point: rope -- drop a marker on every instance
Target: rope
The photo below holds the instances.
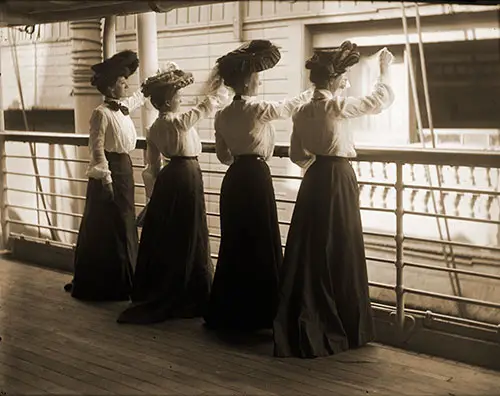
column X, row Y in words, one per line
column 15, row 60
column 448, row 256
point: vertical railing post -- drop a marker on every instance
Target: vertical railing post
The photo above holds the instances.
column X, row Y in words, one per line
column 399, row 237
column 4, row 214
column 3, row 177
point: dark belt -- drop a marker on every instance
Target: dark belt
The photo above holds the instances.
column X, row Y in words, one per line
column 248, row 156
column 330, row 158
column 182, row 157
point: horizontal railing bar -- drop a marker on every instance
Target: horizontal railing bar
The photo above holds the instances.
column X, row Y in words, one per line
column 454, row 319
column 380, row 260
column 42, row 226
column 377, row 209
column 458, row 244
column 57, row 212
column 423, row 156
column 71, row 179
column 46, row 193
column 376, row 184
column 291, row 177
column 379, row 234
column 450, row 217
column 452, row 189
column 80, row 161
column 43, row 240
column 382, row 285
column 442, row 296
column 453, row 270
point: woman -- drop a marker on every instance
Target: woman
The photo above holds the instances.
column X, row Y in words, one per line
column 107, row 243
column 174, row 269
column 244, row 292
column 324, row 303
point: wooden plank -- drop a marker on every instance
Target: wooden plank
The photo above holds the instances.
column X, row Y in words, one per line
column 169, row 349
column 115, row 352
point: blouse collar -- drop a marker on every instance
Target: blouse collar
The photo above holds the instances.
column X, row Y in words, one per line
column 243, row 97
column 321, row 94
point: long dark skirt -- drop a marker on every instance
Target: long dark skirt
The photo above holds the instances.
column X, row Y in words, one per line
column 244, row 292
column 106, row 248
column 324, row 305
column 174, row 270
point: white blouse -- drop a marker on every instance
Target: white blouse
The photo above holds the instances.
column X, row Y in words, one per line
column 111, row 131
column 316, row 125
column 173, row 135
column 244, row 127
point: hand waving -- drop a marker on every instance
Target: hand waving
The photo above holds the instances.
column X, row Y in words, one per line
column 385, row 58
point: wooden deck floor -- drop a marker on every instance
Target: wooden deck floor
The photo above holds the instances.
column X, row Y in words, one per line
column 52, row 343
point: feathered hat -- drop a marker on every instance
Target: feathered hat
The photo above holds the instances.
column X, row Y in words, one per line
column 251, row 57
column 122, row 64
column 170, row 76
column 335, row 60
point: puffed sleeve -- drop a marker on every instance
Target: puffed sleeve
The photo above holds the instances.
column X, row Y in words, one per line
column 153, row 165
column 298, row 154
column 221, row 149
column 136, row 100
column 380, row 99
column 98, row 167
column 202, row 110
column 270, row 111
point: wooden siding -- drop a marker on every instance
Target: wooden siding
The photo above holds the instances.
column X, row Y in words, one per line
column 184, row 35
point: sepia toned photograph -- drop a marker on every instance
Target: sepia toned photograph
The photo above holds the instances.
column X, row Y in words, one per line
column 250, row 197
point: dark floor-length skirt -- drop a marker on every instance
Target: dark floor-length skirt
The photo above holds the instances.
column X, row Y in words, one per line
column 244, row 292
column 324, row 305
column 174, row 270
column 107, row 243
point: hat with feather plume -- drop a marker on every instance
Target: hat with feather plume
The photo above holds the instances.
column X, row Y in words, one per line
column 170, row 76
column 252, row 57
column 336, row 60
column 122, row 64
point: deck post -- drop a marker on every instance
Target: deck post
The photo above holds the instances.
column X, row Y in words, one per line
column 148, row 55
column 86, row 50
column 109, row 37
column 3, row 182
column 399, row 237
column 147, row 45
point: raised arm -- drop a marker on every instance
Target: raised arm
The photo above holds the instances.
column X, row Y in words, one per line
column 381, row 97
column 135, row 101
column 98, row 167
column 270, row 111
column 298, row 154
column 202, row 110
column 153, row 165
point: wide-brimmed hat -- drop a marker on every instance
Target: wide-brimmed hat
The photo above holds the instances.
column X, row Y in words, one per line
column 122, row 64
column 170, row 76
column 252, row 57
column 335, row 60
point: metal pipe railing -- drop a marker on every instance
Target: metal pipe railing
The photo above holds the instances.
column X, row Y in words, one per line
column 385, row 155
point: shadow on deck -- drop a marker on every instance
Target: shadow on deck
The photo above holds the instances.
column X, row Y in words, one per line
column 52, row 343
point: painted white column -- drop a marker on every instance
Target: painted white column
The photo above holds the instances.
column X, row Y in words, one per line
column 109, row 37
column 86, row 50
column 147, row 45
